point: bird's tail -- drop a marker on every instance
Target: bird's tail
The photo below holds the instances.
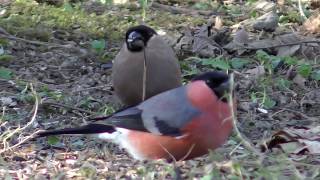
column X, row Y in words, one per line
column 99, row 118
column 87, row 129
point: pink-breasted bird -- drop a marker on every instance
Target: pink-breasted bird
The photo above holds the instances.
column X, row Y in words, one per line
column 181, row 123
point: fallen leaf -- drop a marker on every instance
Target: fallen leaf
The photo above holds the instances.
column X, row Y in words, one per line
column 300, row 81
column 297, row 140
column 264, row 5
column 256, row 72
column 291, row 147
column 267, row 22
column 288, row 50
column 312, row 146
column 312, row 24
column 218, row 22
column 241, row 37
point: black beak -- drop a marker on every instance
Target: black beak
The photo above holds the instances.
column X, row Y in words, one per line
column 223, row 90
column 135, row 44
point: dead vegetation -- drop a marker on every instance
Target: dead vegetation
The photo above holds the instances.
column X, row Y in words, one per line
column 55, row 71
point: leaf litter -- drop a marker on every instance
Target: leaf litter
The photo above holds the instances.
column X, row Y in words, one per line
column 66, row 71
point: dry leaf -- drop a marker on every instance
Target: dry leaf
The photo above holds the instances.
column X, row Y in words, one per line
column 261, row 44
column 289, row 38
column 203, row 44
column 312, row 24
column 288, row 50
column 311, row 103
column 267, row 22
column 256, row 72
column 241, row 37
column 120, row 1
column 264, row 5
column 300, row 81
column 314, row 4
column 297, row 140
column 218, row 22
column 312, row 146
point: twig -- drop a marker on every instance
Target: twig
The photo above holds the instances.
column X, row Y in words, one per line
column 301, row 10
column 179, row 10
column 167, row 151
column 3, row 124
column 5, row 34
column 174, row 164
column 234, row 149
column 92, row 88
column 277, row 113
column 22, row 141
column 2, row 115
column 278, row 45
column 33, row 118
column 68, row 107
column 144, row 77
column 188, row 153
column 297, row 112
column 246, row 143
column 294, row 169
column 192, row 58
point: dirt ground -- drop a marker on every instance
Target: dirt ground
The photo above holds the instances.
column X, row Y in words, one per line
column 54, row 77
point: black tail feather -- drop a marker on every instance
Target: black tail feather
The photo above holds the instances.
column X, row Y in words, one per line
column 87, row 129
column 99, row 118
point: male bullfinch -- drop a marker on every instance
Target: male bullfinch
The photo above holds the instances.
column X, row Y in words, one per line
column 181, row 123
column 162, row 67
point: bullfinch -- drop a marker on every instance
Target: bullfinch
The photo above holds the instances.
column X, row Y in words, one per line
column 162, row 67
column 178, row 124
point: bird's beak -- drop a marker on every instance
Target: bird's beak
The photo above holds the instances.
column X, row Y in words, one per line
column 135, row 44
column 223, row 89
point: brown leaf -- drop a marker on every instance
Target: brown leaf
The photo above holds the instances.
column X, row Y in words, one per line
column 291, row 147
column 267, row 22
column 256, row 72
column 288, row 50
column 297, row 140
column 241, row 37
column 260, row 44
column 264, row 5
column 300, row 81
column 312, row 146
column 311, row 103
column 218, row 22
column 312, row 24
column 203, row 44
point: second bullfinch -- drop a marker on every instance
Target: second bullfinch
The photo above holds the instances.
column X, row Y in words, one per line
column 162, row 68
column 181, row 123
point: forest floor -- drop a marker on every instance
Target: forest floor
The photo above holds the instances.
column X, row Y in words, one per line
column 55, row 72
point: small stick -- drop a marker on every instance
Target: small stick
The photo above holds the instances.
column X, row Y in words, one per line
column 33, row 118
column 144, row 78
column 68, row 107
column 245, row 142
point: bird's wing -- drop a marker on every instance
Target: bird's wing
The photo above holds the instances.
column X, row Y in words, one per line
column 163, row 114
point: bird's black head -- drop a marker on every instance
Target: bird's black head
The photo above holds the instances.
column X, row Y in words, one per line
column 217, row 81
column 138, row 36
